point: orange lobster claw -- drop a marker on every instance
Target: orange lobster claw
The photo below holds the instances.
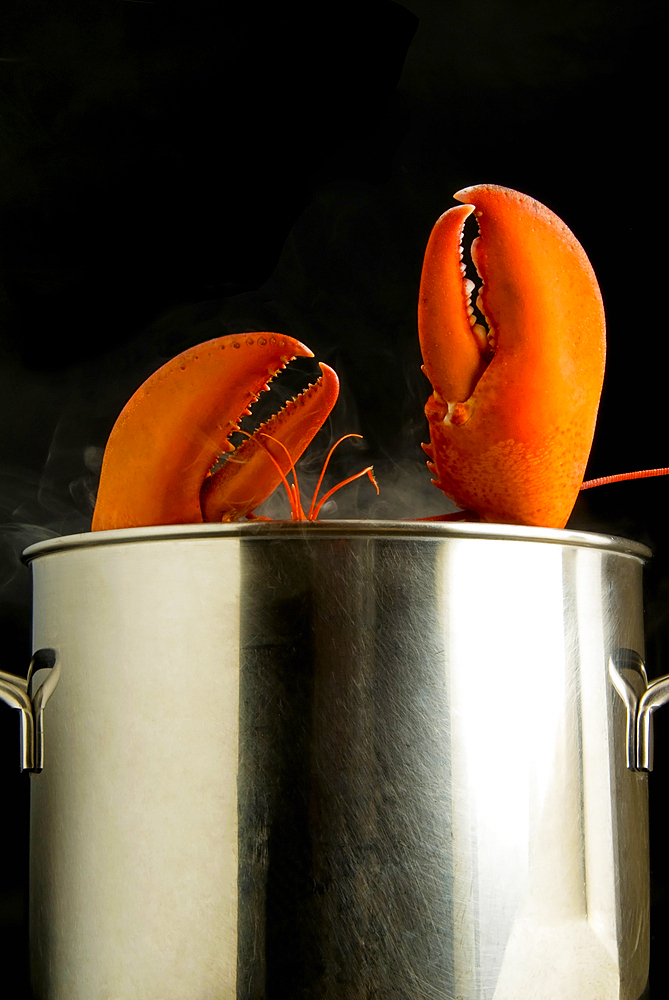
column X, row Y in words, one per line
column 176, row 426
column 513, row 411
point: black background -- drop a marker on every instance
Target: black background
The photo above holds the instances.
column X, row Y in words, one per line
column 174, row 171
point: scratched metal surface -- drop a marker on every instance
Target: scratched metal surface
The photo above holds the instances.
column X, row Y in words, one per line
column 425, row 791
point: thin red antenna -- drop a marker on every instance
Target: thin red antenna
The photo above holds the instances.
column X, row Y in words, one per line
column 623, row 477
column 296, row 511
column 322, row 475
column 293, row 490
column 369, row 471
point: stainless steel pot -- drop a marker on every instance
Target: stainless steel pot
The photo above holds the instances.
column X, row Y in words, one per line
column 340, row 761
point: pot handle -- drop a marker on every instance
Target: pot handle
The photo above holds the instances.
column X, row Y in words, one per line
column 628, row 675
column 15, row 692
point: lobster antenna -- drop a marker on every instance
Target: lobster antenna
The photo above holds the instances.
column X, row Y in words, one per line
column 369, row 471
column 320, row 478
column 622, row 477
column 297, row 514
column 293, row 490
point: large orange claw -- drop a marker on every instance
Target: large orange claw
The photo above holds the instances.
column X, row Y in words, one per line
column 513, row 410
column 177, row 425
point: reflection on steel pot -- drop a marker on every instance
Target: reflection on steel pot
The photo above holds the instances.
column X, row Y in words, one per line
column 338, row 761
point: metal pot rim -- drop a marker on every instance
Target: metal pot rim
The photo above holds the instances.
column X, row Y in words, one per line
column 276, row 530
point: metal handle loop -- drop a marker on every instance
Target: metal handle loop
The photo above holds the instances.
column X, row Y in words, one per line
column 641, row 699
column 15, row 692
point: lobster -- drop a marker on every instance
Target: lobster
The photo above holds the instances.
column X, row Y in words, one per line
column 162, row 463
column 515, row 390
column 513, row 408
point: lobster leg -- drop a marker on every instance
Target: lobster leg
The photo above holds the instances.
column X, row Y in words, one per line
column 177, row 425
column 513, row 408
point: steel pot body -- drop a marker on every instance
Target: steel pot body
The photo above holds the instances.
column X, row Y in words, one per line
column 343, row 761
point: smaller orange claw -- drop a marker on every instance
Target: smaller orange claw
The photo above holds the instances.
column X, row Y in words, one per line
column 177, row 425
column 513, row 410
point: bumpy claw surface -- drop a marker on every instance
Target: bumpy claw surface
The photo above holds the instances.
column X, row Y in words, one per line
column 513, row 410
column 177, row 425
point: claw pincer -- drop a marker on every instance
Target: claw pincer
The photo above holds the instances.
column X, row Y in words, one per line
column 513, row 409
column 158, row 461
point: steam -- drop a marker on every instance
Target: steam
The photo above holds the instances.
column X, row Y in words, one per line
column 20, row 526
column 56, row 496
column 329, row 290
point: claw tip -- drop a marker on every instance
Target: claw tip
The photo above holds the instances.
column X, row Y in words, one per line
column 468, row 194
column 301, row 350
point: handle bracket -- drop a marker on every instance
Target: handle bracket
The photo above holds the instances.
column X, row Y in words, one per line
column 641, row 699
column 15, row 692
